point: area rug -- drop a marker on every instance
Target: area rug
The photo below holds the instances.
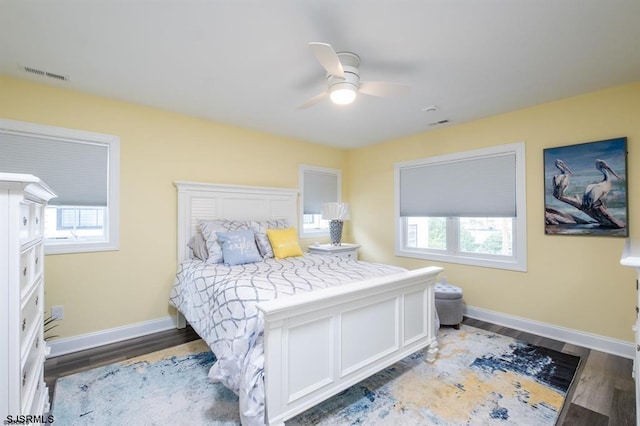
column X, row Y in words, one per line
column 479, row 378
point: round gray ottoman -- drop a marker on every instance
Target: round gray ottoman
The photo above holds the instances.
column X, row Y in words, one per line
column 449, row 304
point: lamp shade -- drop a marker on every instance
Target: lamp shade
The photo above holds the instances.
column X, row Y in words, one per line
column 335, row 211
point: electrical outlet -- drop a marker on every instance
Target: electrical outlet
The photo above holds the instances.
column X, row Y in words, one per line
column 57, row 312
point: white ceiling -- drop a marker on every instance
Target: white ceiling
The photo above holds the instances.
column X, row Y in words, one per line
column 247, row 62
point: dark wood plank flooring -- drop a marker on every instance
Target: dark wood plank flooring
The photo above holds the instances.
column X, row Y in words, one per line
column 602, row 393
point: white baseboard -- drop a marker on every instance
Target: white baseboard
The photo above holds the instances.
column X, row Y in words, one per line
column 580, row 338
column 112, row 335
column 575, row 337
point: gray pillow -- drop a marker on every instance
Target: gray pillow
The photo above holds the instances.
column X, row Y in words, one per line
column 198, row 247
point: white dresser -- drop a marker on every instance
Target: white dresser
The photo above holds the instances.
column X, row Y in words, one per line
column 631, row 257
column 349, row 251
column 22, row 347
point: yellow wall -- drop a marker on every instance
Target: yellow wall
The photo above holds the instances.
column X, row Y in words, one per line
column 110, row 289
column 573, row 282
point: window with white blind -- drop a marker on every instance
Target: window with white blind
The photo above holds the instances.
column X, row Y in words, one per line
column 318, row 185
column 82, row 168
column 467, row 208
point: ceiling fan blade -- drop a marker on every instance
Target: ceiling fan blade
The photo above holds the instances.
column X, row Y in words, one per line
column 316, row 99
column 383, row 88
column 328, row 58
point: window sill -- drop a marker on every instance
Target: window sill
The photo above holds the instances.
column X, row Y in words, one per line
column 78, row 247
column 507, row 264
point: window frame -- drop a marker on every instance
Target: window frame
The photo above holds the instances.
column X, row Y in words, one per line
column 321, row 232
column 111, row 240
column 516, row 262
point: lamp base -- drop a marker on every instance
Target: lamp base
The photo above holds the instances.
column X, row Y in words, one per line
column 335, row 231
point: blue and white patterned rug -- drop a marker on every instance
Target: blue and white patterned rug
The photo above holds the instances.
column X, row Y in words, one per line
column 479, row 378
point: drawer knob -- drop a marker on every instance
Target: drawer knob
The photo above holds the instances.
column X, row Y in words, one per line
column 37, row 297
column 37, row 220
column 24, row 221
column 37, row 344
column 37, row 258
column 24, row 378
column 24, row 324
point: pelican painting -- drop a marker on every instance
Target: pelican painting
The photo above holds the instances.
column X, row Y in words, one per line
column 595, row 193
column 580, row 199
column 561, row 181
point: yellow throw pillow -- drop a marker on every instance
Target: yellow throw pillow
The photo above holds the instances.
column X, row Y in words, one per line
column 284, row 242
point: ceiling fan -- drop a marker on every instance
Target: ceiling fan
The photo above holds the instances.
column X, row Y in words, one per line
column 343, row 78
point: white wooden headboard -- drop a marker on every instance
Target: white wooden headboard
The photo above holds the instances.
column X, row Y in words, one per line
column 207, row 201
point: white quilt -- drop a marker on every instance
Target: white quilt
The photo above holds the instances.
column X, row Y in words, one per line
column 220, row 304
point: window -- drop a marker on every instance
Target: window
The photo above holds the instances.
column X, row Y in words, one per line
column 467, row 208
column 82, row 168
column 318, row 185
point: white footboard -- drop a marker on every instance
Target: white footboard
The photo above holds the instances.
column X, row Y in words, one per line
column 318, row 344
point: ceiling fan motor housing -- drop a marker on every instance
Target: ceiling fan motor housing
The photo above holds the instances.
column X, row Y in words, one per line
column 350, row 63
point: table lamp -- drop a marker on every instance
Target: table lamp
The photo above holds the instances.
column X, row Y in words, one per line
column 336, row 214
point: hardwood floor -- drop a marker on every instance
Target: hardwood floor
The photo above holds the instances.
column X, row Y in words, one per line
column 602, row 393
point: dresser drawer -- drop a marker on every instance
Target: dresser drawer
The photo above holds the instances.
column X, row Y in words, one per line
column 38, row 261
column 347, row 254
column 25, row 221
column 344, row 251
column 31, row 374
column 26, row 268
column 31, row 266
column 31, row 314
column 31, row 220
column 38, row 220
column 40, row 404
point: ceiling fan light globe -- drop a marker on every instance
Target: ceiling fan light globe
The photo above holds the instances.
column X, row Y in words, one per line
column 343, row 95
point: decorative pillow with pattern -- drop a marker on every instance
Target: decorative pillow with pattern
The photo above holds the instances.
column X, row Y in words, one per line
column 238, row 247
column 260, row 228
column 209, row 229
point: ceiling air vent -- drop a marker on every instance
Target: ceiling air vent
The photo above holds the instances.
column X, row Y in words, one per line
column 46, row 73
column 438, row 123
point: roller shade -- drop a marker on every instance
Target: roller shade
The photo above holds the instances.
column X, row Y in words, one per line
column 318, row 188
column 476, row 187
column 77, row 171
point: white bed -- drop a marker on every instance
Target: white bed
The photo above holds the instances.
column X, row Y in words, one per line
column 319, row 343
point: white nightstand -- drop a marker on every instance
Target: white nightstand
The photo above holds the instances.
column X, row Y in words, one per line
column 349, row 251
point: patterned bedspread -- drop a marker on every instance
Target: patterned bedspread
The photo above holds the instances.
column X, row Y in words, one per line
column 220, row 304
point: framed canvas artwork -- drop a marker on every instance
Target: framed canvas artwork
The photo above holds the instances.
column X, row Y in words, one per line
column 585, row 189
